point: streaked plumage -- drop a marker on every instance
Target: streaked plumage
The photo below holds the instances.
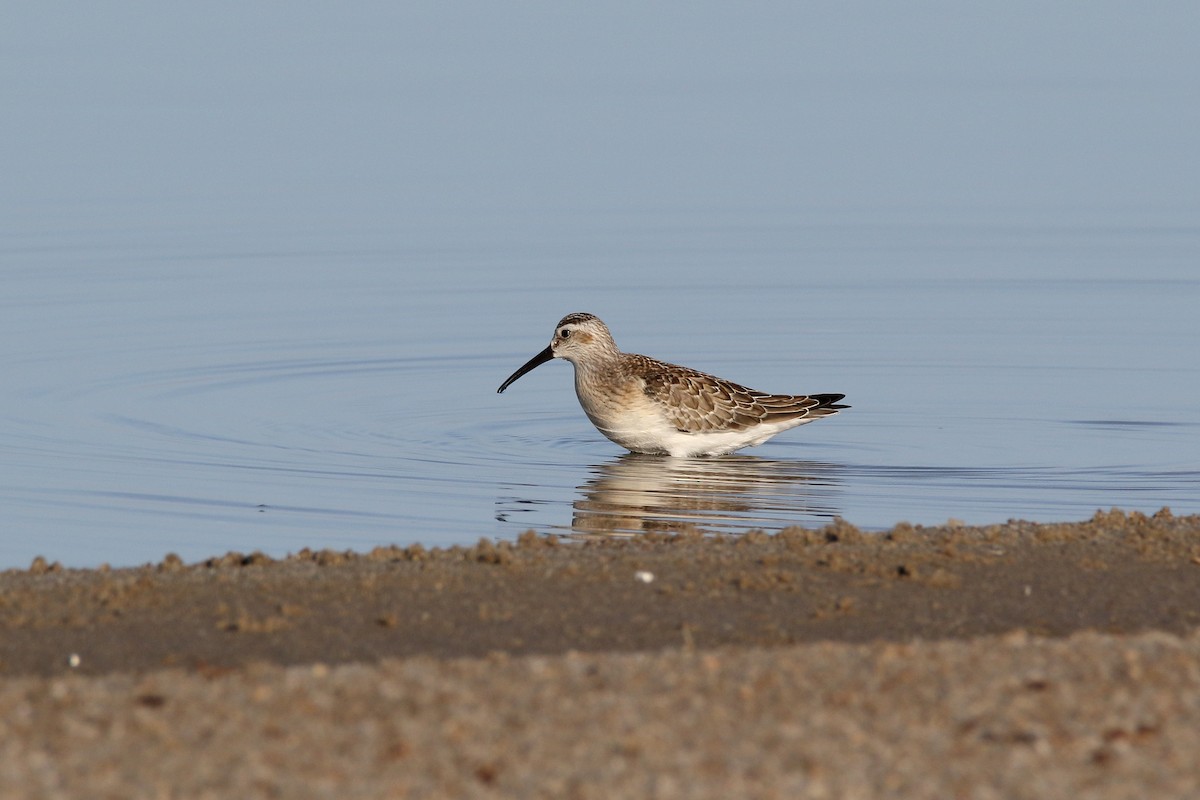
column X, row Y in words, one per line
column 650, row 406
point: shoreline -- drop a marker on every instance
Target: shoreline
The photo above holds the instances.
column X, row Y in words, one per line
column 1114, row 573
column 1010, row 660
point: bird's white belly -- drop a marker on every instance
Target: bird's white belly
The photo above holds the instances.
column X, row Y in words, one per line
column 639, row 425
column 635, row 425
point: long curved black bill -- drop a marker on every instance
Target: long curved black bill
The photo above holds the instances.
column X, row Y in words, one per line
column 531, row 364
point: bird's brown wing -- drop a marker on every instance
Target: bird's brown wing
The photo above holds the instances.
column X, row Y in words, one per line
column 695, row 402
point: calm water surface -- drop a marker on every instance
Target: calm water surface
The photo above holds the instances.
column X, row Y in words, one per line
column 263, row 267
column 214, row 401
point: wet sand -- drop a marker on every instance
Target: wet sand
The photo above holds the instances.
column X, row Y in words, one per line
column 1011, row 661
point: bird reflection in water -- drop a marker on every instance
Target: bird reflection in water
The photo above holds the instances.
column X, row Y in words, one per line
column 639, row 493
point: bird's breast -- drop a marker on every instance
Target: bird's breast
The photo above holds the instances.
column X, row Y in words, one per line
column 619, row 408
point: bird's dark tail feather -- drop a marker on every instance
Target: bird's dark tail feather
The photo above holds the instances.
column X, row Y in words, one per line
column 829, row 401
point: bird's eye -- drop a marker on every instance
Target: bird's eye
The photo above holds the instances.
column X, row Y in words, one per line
column 564, row 333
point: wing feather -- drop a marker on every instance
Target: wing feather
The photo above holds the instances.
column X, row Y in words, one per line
column 696, row 402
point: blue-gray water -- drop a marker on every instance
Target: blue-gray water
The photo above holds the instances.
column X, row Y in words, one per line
column 263, row 268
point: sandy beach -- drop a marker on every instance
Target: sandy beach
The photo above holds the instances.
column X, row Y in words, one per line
column 1019, row 660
